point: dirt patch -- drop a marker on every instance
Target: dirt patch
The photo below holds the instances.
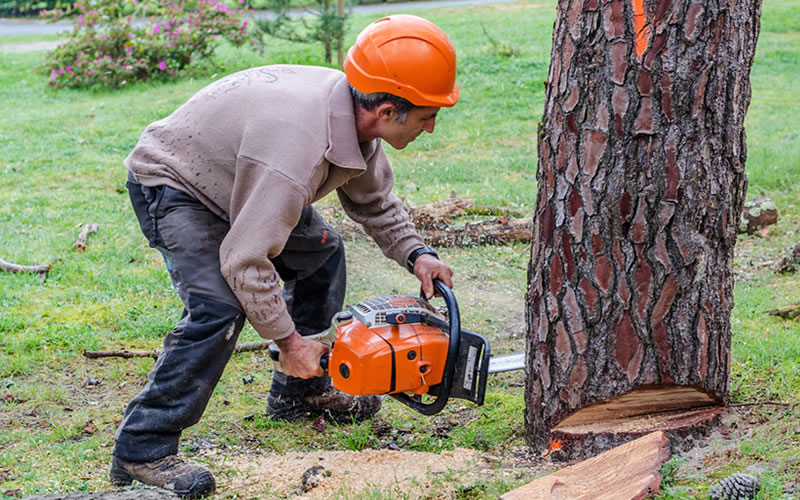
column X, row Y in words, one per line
column 346, row 474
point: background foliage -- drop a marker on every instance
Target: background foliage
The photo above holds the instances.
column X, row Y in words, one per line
column 110, row 45
column 30, row 7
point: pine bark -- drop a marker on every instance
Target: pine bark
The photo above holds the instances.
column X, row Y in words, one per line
column 641, row 184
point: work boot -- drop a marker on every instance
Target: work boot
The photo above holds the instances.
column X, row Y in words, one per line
column 186, row 479
column 293, row 398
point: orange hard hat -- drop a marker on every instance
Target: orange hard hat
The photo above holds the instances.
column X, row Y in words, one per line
column 406, row 56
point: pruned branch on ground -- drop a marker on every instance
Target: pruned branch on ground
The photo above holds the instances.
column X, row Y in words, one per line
column 495, row 232
column 16, row 268
column 434, row 214
column 80, row 243
column 438, row 213
column 791, row 311
column 124, row 353
column 434, row 223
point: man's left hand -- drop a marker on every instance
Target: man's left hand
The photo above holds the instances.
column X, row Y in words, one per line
column 427, row 268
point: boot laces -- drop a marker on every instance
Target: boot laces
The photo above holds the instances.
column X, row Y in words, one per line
column 169, row 462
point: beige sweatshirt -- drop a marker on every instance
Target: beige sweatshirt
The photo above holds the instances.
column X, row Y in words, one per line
column 255, row 148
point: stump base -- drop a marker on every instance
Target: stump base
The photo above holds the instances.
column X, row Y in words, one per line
column 680, row 412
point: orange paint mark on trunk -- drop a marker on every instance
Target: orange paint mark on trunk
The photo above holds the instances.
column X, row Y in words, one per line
column 640, row 27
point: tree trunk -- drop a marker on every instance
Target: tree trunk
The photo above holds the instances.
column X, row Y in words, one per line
column 641, row 185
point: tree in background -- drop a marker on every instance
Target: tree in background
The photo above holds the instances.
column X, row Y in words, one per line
column 641, row 184
column 327, row 27
column 111, row 44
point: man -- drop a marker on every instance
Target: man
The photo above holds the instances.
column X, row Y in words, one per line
column 223, row 187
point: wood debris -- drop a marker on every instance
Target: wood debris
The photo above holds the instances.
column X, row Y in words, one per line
column 434, row 223
column 630, row 471
column 791, row 311
column 496, row 232
column 80, row 243
column 16, row 268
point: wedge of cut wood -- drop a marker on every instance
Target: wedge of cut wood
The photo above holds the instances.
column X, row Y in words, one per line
column 630, row 471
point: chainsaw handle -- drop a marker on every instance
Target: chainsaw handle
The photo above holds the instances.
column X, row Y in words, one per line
column 275, row 355
column 452, row 356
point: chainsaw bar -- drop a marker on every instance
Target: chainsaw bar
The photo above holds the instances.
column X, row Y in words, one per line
column 507, row 363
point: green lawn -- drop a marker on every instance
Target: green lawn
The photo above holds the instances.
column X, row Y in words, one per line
column 61, row 156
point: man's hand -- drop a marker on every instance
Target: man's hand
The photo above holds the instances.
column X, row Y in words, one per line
column 300, row 357
column 427, row 268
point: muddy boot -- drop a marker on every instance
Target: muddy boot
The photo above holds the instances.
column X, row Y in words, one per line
column 186, row 479
column 292, row 398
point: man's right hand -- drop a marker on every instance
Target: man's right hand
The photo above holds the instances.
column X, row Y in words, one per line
column 300, row 357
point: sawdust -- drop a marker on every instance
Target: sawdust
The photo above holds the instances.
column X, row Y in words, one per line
column 347, row 474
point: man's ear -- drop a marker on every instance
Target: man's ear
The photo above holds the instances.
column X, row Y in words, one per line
column 386, row 110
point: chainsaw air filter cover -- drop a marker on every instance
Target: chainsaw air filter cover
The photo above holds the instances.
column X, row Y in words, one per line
column 382, row 347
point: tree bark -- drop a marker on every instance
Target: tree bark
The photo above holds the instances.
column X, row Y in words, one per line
column 640, row 190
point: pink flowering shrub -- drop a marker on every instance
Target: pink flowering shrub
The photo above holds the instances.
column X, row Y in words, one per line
column 115, row 42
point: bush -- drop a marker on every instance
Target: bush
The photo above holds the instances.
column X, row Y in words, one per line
column 114, row 43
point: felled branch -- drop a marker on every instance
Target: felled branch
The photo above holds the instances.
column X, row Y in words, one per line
column 16, row 268
column 438, row 213
column 758, row 214
column 434, row 214
column 497, row 232
column 246, row 347
column 80, row 243
column 432, row 222
column 789, row 312
column 493, row 211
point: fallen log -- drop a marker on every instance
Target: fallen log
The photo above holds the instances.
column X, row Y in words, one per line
column 791, row 311
column 80, row 243
column 438, row 213
column 757, row 214
column 16, row 268
column 493, row 211
column 124, row 353
column 497, row 232
column 435, row 214
column 630, row 471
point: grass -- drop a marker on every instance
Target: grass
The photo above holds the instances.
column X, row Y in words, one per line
column 61, row 166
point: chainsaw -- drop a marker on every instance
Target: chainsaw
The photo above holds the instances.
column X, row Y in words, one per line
column 402, row 346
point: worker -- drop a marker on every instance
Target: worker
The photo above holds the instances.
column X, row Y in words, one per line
column 223, row 188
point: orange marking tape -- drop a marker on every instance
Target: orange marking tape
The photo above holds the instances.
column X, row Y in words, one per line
column 640, row 27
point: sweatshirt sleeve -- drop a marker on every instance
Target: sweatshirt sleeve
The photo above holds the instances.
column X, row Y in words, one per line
column 368, row 200
column 265, row 206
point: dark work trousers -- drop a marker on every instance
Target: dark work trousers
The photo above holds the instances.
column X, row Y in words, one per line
column 312, row 267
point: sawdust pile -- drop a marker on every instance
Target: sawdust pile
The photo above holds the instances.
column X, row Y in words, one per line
column 345, row 474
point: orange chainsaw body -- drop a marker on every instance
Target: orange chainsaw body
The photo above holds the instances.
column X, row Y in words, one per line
column 387, row 358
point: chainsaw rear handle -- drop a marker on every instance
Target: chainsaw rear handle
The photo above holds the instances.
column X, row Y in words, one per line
column 275, row 355
column 452, row 356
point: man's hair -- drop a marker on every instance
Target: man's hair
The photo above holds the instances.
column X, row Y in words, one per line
column 370, row 101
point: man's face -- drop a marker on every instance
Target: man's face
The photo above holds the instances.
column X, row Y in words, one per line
column 399, row 135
